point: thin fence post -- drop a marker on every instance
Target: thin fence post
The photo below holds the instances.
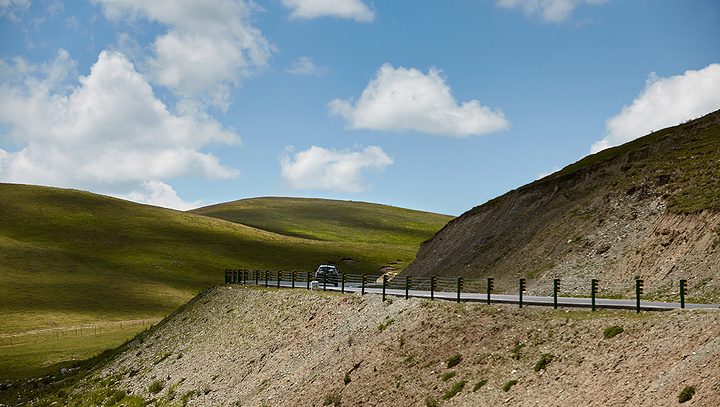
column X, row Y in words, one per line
column 309, row 277
column 459, row 287
column 593, row 291
column 279, row 278
column 683, row 292
column 556, row 290
column 384, row 286
column 364, row 281
column 490, row 286
column 294, row 276
column 521, row 288
column 325, row 274
column 433, row 283
column 408, row 283
column 267, row 277
column 344, row 278
column 638, row 291
column 257, row 276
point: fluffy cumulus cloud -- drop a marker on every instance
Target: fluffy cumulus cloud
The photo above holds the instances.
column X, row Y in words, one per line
column 107, row 132
column 664, row 102
column 327, row 169
column 406, row 99
column 210, row 45
column 554, row 11
column 352, row 9
column 306, row 66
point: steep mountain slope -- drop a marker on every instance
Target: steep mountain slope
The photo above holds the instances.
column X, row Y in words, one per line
column 649, row 209
column 250, row 346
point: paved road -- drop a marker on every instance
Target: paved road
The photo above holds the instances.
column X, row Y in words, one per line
column 507, row 299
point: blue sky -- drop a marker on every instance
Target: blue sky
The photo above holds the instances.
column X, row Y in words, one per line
column 430, row 105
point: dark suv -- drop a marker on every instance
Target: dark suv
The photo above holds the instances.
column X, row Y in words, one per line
column 333, row 277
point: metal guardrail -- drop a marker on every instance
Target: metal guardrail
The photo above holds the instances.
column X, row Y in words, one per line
column 530, row 289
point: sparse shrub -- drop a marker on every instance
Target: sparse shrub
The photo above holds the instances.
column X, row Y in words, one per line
column 455, row 390
column 347, row 379
column 479, row 384
column 454, row 360
column 612, row 331
column 686, row 394
column 117, row 395
column 332, row 398
column 385, row 325
column 509, row 384
column 447, row 376
column 545, row 360
column 431, row 401
column 156, row 387
column 185, row 397
column 516, row 351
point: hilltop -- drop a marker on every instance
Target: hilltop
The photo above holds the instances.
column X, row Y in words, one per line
column 648, row 209
column 250, row 346
column 70, row 258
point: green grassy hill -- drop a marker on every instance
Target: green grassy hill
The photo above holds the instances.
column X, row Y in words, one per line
column 69, row 258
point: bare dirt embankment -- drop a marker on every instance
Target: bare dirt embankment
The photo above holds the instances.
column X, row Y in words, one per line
column 255, row 347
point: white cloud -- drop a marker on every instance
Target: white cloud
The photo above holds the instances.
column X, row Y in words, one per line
column 210, row 45
column 307, row 9
column 160, row 194
column 108, row 132
column 305, row 66
column 406, row 99
column 327, row 169
column 11, row 8
column 554, row 11
column 664, row 102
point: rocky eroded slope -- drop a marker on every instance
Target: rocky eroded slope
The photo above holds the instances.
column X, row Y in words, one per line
column 249, row 346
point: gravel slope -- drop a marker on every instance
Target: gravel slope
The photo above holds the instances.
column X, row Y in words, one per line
column 253, row 347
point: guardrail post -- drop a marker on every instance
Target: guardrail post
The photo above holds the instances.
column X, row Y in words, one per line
column 309, row 277
column 257, row 276
column 364, row 281
column 267, row 277
column 344, row 278
column 245, row 276
column 325, row 281
column 593, row 291
column 294, row 277
column 490, row 287
column 279, row 278
column 638, row 291
column 459, row 287
column 521, row 289
column 384, row 286
column 235, row 276
column 683, row 292
column 408, row 283
column 556, row 290
column 227, row 272
column 433, row 284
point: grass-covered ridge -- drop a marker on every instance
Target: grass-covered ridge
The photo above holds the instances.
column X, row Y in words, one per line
column 69, row 258
column 331, row 220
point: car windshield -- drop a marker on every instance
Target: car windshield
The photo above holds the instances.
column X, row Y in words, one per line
column 328, row 269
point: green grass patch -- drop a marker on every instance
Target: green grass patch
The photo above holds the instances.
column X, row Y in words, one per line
column 509, row 385
column 686, row 394
column 457, row 388
column 612, row 331
column 454, row 360
column 37, row 359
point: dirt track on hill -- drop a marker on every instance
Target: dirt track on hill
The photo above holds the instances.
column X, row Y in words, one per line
column 255, row 347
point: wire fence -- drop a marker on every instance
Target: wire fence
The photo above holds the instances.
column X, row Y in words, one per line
column 59, row 333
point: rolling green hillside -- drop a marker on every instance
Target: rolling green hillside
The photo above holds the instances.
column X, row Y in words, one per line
column 71, row 257
column 330, row 220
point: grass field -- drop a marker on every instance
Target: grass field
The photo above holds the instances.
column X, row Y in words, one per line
column 70, row 258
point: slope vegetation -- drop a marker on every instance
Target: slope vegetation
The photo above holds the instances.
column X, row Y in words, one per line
column 266, row 347
column 70, row 258
column 647, row 209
